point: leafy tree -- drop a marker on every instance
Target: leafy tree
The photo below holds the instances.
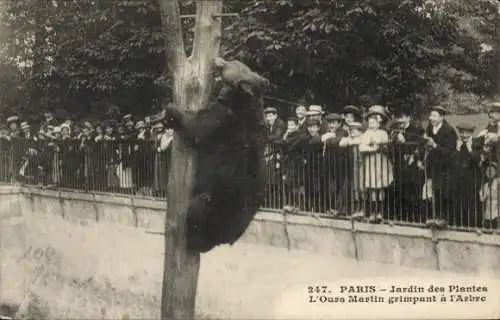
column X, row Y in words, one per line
column 80, row 57
column 333, row 52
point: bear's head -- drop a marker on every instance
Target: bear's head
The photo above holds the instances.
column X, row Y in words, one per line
column 236, row 75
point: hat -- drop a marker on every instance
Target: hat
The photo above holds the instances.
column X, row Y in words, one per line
column 157, row 126
column 439, row 109
column 333, row 117
column 494, row 107
column 56, row 130
column 270, row 110
column 25, row 125
column 351, row 109
column 64, row 125
column 315, row 110
column 377, row 110
column 87, row 124
column 355, row 125
column 140, row 125
column 312, row 122
column 466, row 127
column 292, row 118
column 127, row 117
column 12, row 119
column 129, row 122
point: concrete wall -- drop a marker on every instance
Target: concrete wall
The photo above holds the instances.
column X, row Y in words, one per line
column 400, row 245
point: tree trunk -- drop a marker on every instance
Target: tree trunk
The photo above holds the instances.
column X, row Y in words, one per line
column 192, row 86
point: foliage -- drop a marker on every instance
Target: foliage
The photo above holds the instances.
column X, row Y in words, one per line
column 332, row 52
column 95, row 54
column 80, row 57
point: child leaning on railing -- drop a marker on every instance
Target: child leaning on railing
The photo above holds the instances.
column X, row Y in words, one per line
column 489, row 195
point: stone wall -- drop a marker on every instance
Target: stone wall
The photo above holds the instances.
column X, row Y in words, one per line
column 400, row 245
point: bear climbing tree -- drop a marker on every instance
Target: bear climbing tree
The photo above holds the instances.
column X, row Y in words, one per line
column 198, row 142
column 229, row 137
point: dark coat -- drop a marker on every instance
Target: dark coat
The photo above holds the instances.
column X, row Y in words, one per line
column 466, row 183
column 293, row 158
column 275, row 132
column 440, row 159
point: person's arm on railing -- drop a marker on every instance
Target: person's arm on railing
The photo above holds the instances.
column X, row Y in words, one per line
column 164, row 143
column 367, row 143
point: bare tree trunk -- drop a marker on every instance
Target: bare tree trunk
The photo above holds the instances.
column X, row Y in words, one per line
column 192, row 86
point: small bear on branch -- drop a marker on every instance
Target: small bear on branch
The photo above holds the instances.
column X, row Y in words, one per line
column 229, row 137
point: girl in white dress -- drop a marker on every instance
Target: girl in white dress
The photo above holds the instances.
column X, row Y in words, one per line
column 376, row 173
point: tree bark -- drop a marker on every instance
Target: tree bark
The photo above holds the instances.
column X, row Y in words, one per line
column 192, row 78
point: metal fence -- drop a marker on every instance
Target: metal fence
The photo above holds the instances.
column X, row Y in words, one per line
column 400, row 183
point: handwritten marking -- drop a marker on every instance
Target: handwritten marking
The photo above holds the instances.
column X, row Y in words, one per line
column 38, row 254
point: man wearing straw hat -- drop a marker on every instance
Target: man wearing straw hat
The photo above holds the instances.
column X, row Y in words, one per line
column 14, row 131
column 316, row 112
column 489, row 136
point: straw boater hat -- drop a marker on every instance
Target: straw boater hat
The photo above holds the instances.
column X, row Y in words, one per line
column 87, row 125
column 57, row 130
column 494, row 107
column 140, row 125
column 24, row 125
column 12, row 119
column 377, row 110
column 315, row 110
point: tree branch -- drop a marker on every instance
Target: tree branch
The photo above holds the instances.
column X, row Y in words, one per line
column 172, row 29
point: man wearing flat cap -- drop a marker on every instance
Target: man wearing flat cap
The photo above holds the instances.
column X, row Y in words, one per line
column 293, row 161
column 334, row 156
column 441, row 139
column 275, row 126
column 466, row 178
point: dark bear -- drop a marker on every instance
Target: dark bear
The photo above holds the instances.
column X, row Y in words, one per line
column 229, row 137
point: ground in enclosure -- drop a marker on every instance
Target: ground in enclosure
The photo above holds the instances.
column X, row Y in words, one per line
column 103, row 271
column 480, row 120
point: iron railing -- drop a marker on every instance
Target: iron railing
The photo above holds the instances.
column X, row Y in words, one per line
column 401, row 183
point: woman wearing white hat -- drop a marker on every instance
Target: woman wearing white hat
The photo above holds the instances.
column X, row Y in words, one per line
column 376, row 172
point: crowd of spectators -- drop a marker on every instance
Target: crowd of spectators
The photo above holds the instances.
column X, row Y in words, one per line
column 375, row 165
column 118, row 155
column 364, row 164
